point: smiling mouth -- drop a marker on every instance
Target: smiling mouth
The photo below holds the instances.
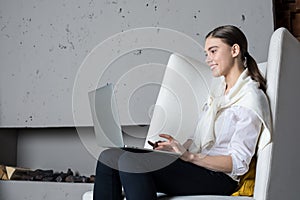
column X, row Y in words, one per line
column 213, row 67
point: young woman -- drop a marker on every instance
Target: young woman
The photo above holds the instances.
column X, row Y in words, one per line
column 224, row 142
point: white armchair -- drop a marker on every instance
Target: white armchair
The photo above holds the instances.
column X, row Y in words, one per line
column 283, row 58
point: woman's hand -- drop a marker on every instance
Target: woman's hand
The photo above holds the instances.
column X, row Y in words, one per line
column 170, row 145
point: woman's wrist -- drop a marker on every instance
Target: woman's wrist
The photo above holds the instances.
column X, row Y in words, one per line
column 187, row 156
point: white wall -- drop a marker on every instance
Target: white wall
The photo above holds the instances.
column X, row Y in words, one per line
column 44, row 42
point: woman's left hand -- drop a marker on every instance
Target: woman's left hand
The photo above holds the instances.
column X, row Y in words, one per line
column 170, row 145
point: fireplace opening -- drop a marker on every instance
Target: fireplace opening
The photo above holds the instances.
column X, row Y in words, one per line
column 47, row 175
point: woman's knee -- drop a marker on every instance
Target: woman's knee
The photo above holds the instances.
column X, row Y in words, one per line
column 109, row 158
column 134, row 162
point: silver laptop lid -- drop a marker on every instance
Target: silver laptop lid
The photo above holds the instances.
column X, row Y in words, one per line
column 106, row 117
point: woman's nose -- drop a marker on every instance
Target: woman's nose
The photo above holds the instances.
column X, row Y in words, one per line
column 208, row 59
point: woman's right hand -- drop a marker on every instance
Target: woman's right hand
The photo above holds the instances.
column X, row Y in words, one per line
column 170, row 145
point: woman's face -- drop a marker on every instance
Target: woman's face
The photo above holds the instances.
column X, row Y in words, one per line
column 218, row 56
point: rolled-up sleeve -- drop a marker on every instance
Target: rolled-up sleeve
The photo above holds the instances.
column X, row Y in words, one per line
column 243, row 142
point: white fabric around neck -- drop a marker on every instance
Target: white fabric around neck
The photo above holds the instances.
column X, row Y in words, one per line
column 246, row 93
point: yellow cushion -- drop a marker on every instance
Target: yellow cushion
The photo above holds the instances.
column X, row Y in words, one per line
column 247, row 181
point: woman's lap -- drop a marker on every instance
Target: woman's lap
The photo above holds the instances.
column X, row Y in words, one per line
column 164, row 173
column 183, row 178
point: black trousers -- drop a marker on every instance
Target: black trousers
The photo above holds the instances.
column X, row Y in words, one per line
column 142, row 175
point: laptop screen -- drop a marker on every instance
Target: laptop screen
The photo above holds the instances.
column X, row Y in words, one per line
column 106, row 117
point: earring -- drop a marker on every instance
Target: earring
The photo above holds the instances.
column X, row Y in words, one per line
column 245, row 62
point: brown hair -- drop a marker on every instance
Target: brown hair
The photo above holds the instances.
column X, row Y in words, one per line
column 232, row 35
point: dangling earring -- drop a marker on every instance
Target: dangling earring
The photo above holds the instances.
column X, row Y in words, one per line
column 245, row 62
column 246, row 54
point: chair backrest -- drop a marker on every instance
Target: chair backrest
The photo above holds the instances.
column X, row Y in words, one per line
column 282, row 75
column 263, row 168
column 263, row 164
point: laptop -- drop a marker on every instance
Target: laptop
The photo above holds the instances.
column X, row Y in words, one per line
column 106, row 121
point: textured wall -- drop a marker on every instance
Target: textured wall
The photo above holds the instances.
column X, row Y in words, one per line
column 44, row 42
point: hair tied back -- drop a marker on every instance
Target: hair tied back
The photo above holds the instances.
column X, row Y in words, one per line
column 246, row 54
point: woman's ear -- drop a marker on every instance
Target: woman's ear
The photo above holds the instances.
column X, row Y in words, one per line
column 235, row 50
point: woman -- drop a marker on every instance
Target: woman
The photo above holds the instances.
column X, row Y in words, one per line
column 224, row 142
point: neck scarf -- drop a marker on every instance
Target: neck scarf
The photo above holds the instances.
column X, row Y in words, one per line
column 246, row 93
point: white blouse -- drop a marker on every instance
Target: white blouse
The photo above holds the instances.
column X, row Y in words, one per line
column 236, row 130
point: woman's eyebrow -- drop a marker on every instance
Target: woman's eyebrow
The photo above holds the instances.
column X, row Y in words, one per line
column 211, row 48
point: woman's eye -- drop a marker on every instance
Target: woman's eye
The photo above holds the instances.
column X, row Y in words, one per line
column 213, row 51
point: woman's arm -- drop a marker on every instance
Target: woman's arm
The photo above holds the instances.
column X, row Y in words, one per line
column 216, row 163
